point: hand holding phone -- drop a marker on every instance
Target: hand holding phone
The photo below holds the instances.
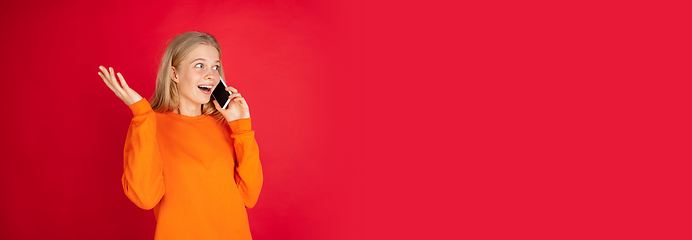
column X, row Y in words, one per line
column 230, row 103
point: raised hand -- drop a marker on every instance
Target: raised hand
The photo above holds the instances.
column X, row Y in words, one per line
column 237, row 108
column 124, row 92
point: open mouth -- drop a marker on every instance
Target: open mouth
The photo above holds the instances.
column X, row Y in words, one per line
column 206, row 89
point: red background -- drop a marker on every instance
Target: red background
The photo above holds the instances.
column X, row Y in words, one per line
column 376, row 119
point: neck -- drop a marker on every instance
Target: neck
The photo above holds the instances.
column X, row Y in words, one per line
column 190, row 110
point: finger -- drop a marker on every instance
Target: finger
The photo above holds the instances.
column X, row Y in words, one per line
column 235, row 95
column 110, row 86
column 216, row 104
column 122, row 81
column 114, row 80
column 242, row 102
column 126, row 88
column 104, row 72
column 111, row 75
column 105, row 80
column 232, row 89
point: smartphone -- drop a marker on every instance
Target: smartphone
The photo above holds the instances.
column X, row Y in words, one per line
column 221, row 95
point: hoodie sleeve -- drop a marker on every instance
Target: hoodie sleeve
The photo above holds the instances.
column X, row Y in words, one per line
column 248, row 170
column 143, row 168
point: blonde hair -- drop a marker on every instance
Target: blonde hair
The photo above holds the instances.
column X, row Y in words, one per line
column 165, row 98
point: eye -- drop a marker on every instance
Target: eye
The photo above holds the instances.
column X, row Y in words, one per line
column 216, row 67
column 199, row 65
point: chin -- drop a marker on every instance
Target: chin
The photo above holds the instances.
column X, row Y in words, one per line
column 203, row 101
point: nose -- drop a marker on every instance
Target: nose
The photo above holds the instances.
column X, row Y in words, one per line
column 209, row 74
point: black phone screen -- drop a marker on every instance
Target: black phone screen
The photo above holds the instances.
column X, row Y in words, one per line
column 221, row 95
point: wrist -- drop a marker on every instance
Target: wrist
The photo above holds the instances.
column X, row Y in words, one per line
column 135, row 100
column 234, row 117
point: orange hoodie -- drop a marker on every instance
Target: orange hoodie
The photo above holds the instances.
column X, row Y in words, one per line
column 199, row 175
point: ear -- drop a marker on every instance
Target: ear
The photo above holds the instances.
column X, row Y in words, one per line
column 174, row 75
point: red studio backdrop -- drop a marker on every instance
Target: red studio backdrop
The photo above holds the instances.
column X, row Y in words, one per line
column 375, row 119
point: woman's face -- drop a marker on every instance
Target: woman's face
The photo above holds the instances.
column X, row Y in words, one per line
column 197, row 75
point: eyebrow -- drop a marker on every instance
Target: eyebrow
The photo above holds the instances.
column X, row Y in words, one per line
column 203, row 59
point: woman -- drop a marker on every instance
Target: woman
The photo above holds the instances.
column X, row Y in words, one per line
column 196, row 164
